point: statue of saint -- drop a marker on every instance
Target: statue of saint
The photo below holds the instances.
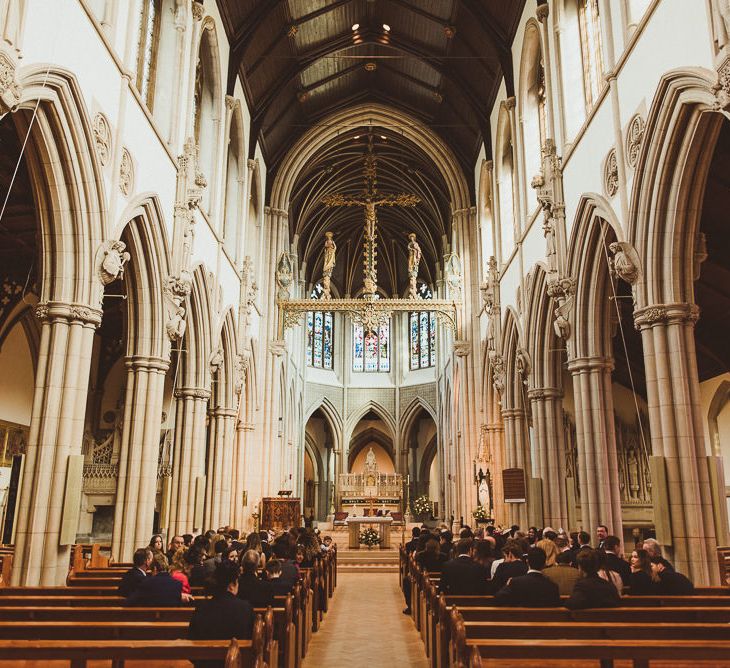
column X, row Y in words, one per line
column 330, row 248
column 370, row 459
column 414, row 259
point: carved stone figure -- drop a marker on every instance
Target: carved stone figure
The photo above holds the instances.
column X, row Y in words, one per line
column 176, row 324
column 10, row 90
column 497, row 372
column 216, row 360
column 625, row 263
column 414, row 259
column 721, row 22
column 284, row 275
column 522, row 364
column 113, row 260
column 330, row 249
column 561, row 325
column 453, row 275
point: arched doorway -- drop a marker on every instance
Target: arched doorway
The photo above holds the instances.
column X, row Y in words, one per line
column 318, row 466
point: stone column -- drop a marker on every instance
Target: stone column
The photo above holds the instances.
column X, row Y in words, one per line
column 677, row 436
column 549, row 464
column 188, row 458
column 56, row 431
column 220, row 463
column 600, row 496
column 516, row 439
column 137, row 484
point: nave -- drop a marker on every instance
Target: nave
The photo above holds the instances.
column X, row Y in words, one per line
column 364, row 626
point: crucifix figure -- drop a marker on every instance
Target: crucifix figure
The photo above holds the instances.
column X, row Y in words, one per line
column 370, row 200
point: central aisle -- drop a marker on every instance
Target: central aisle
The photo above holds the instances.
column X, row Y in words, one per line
column 365, row 626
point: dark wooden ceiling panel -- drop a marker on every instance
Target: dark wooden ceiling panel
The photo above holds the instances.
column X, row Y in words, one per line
column 441, row 60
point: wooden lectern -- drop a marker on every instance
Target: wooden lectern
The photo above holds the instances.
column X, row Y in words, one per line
column 280, row 513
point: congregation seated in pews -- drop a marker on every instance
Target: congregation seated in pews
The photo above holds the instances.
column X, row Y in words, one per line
column 546, row 595
column 206, row 599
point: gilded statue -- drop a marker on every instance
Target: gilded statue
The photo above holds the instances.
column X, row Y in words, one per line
column 414, row 259
column 330, row 248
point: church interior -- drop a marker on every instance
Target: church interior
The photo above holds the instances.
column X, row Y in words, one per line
column 386, row 271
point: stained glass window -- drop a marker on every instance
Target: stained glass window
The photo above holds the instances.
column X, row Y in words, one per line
column 422, row 334
column 148, row 30
column 590, row 42
column 371, row 350
column 320, row 335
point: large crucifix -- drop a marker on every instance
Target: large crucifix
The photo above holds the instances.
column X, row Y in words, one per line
column 370, row 199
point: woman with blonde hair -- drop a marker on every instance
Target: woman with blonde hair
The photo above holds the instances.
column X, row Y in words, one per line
column 180, row 568
column 551, row 551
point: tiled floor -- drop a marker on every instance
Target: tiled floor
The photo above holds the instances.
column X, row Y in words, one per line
column 365, row 626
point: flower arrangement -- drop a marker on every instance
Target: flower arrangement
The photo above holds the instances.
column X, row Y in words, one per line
column 369, row 537
column 480, row 513
column 422, row 506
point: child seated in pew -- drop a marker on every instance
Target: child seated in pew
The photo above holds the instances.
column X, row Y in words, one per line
column 224, row 616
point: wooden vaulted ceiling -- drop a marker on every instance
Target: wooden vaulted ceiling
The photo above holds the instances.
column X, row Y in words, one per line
column 402, row 167
column 299, row 60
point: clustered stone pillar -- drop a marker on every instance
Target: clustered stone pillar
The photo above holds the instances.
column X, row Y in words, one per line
column 238, row 481
column 547, row 420
column 221, row 433
column 137, row 483
column 56, row 432
column 677, row 435
column 600, row 494
column 188, row 458
column 516, row 440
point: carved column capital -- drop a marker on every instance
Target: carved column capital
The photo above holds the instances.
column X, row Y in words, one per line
column 582, row 364
column 147, row 363
column 541, row 393
column 666, row 314
column 55, row 311
column 192, row 392
column 277, row 347
column 462, row 348
column 198, row 10
column 10, row 90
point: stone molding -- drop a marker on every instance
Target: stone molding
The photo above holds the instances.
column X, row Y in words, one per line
column 102, row 137
column 126, row 172
column 513, row 412
column 666, row 314
column 610, row 174
column 540, row 393
column 191, row 392
column 145, row 363
column 634, row 138
column 222, row 411
column 581, row 364
column 55, row 311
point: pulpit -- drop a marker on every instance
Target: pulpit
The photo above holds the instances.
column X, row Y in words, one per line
column 280, row 513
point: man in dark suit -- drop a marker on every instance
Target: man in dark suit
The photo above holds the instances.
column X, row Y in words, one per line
column 410, row 546
column 138, row 573
column 533, row 590
column 224, row 616
column 462, row 575
column 259, row 593
column 601, row 534
column 282, row 551
column 160, row 589
column 614, row 562
column 671, row 583
column 513, row 566
column 591, row 591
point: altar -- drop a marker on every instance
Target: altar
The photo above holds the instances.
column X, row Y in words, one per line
column 370, row 489
column 354, row 526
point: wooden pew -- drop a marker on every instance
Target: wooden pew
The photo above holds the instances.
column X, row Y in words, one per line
column 247, row 653
column 640, row 652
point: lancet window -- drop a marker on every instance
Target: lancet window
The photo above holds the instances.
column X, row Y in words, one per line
column 590, row 42
column 422, row 334
column 320, row 335
column 148, row 30
column 371, row 350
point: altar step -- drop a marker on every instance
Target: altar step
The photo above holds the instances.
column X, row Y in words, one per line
column 367, row 561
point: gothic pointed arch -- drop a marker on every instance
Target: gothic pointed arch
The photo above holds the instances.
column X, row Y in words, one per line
column 198, row 344
column 67, row 182
column 362, row 411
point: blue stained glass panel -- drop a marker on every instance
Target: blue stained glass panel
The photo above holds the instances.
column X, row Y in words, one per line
column 357, row 348
column 371, row 352
column 385, row 347
column 413, row 339
column 327, row 351
column 424, row 340
column 432, row 338
column 318, row 339
column 310, row 336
